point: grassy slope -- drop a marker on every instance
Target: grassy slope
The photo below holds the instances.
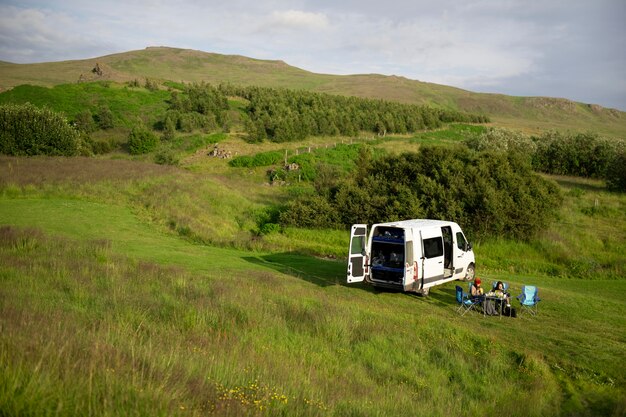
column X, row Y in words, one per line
column 154, row 324
column 179, row 65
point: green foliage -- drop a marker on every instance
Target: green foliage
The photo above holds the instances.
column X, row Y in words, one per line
column 84, row 122
column 141, row 140
column 104, row 118
column 28, row 130
column 501, row 140
column 616, row 173
column 282, row 115
column 126, row 105
column 580, row 154
column 151, row 85
column 198, row 106
column 100, row 147
column 315, row 212
column 165, row 155
column 489, row 194
column 262, row 159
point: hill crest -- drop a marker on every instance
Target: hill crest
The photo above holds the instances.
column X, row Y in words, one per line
column 188, row 66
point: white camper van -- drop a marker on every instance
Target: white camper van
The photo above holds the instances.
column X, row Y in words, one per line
column 411, row 255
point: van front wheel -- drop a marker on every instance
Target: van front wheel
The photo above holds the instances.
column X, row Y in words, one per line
column 470, row 273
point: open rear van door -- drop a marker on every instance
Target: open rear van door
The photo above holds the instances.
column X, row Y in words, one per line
column 357, row 260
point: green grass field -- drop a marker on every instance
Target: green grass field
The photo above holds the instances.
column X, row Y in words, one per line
column 128, row 288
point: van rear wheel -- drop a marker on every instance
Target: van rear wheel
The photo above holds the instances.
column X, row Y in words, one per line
column 470, row 274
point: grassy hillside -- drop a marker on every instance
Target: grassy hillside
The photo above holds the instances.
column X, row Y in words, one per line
column 128, row 288
column 179, row 65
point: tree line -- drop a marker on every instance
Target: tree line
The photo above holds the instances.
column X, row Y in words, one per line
column 283, row 115
column 575, row 154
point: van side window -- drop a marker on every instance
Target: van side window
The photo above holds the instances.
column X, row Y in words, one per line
column 461, row 243
column 433, row 247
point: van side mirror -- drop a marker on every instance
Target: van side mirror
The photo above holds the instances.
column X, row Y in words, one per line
column 468, row 246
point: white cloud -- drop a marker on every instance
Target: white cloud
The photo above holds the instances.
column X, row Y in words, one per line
column 297, row 19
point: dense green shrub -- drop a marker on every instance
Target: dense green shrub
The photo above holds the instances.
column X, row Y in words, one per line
column 315, row 212
column 141, row 140
column 104, row 118
column 28, row 130
column 102, row 146
column 166, row 156
column 488, row 193
column 616, row 173
column 199, row 106
column 503, row 140
column 84, row 122
column 580, row 154
column 577, row 154
column 283, row 115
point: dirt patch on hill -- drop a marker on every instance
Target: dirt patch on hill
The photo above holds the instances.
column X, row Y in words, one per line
column 38, row 170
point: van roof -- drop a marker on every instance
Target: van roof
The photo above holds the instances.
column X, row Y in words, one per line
column 415, row 223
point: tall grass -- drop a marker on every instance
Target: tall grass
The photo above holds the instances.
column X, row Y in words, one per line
column 89, row 332
column 119, row 306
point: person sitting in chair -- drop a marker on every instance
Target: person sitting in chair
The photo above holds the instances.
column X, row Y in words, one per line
column 499, row 290
column 476, row 289
column 477, row 292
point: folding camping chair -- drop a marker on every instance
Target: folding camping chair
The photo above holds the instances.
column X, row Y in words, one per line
column 529, row 299
column 465, row 301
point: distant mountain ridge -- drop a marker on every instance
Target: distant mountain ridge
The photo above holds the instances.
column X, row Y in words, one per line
column 184, row 65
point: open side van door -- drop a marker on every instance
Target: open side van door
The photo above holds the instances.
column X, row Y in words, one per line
column 432, row 256
column 358, row 268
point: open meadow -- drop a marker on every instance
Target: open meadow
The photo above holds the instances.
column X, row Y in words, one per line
column 129, row 288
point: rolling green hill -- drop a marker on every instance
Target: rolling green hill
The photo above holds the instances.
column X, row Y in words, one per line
column 181, row 65
column 108, row 307
column 131, row 288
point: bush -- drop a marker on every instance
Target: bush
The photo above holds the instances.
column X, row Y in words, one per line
column 502, row 140
column 488, row 193
column 581, row 154
column 313, row 212
column 84, row 122
column 103, row 146
column 29, row 130
column 616, row 173
column 104, row 118
column 141, row 140
column 166, row 156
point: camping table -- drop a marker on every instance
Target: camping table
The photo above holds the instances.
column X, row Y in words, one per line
column 494, row 298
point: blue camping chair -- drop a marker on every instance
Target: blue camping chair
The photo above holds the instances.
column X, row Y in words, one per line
column 465, row 301
column 529, row 299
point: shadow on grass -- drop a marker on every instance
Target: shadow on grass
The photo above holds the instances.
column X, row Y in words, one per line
column 441, row 295
column 321, row 272
column 326, row 273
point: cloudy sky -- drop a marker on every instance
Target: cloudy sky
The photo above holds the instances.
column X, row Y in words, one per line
column 574, row 49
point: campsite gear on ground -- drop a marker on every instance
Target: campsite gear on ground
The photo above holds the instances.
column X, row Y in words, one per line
column 465, row 301
column 509, row 311
column 529, row 299
column 425, row 253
